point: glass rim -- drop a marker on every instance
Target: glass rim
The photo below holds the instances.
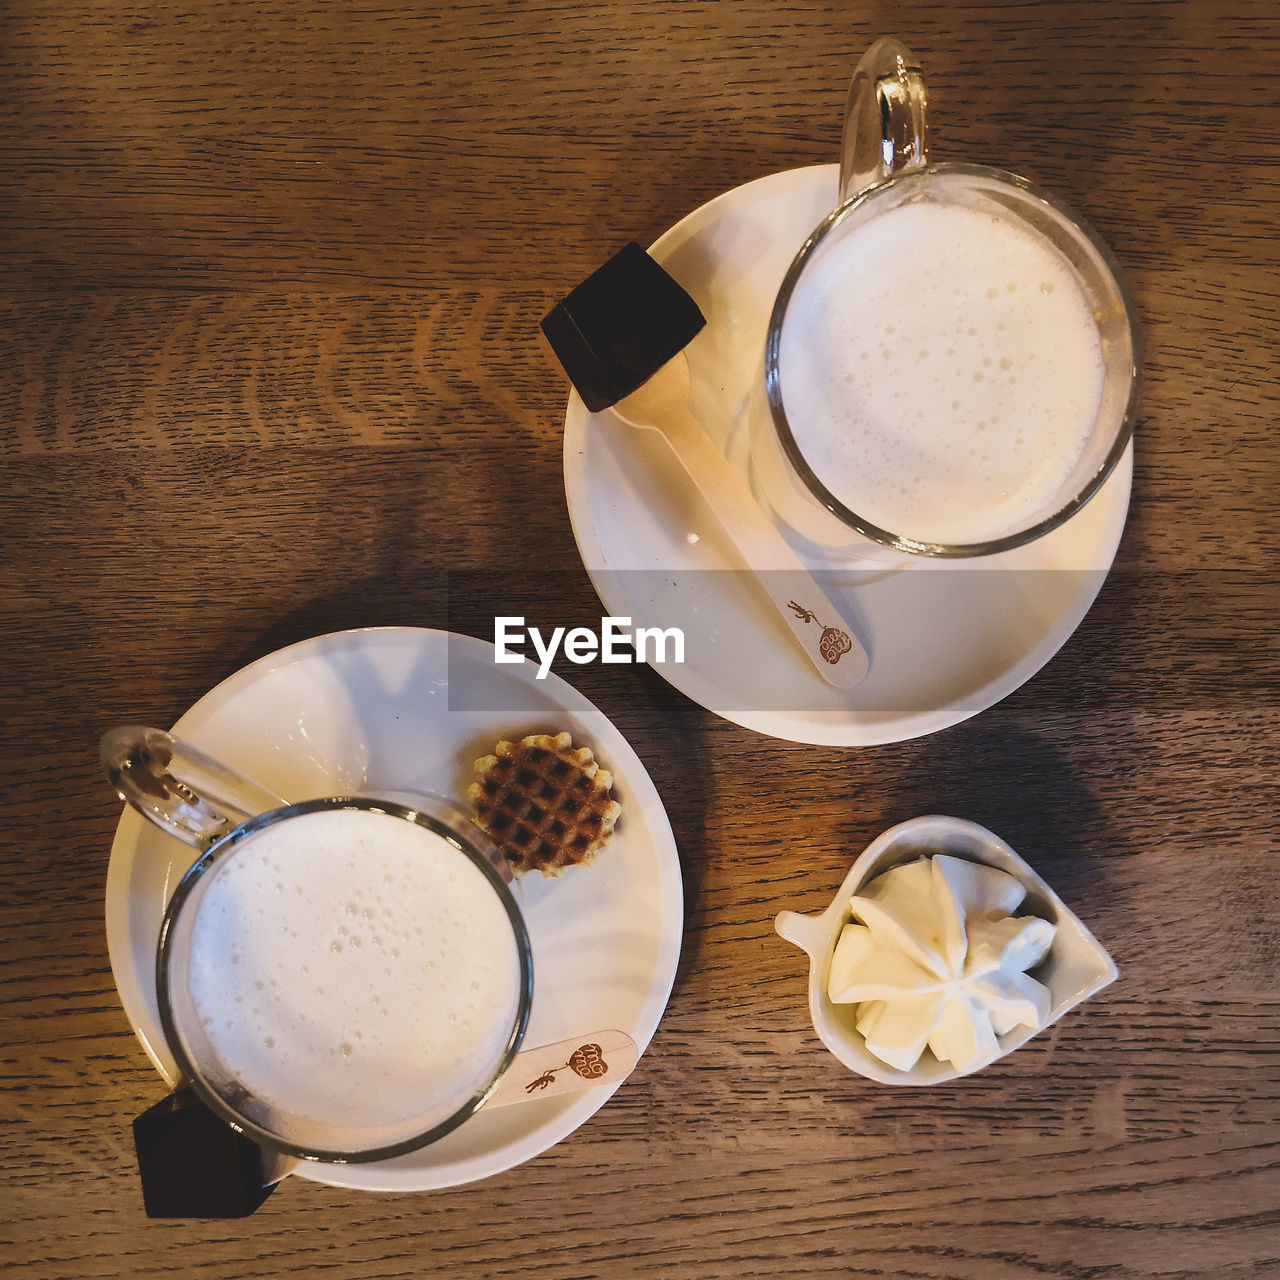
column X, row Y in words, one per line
column 772, row 376
column 434, row 813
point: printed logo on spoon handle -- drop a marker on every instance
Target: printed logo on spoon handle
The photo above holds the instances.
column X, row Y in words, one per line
column 601, row 1057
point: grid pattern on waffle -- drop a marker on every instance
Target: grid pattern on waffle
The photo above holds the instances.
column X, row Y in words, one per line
column 546, row 804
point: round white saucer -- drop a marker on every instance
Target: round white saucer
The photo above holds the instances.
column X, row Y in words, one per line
column 947, row 639
column 404, row 708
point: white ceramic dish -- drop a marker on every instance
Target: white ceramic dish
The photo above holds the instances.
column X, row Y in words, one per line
column 1077, row 965
column 406, row 708
column 947, row 640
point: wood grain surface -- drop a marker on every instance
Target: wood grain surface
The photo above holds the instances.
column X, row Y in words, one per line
column 270, row 277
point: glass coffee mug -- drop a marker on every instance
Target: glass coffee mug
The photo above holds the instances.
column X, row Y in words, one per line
column 343, row 979
column 953, row 361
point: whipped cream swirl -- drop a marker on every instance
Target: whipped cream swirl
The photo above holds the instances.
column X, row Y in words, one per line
column 934, row 958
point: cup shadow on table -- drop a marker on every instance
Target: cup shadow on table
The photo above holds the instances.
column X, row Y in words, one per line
column 1024, row 787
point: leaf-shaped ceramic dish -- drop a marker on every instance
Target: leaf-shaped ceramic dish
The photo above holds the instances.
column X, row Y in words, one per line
column 1076, row 967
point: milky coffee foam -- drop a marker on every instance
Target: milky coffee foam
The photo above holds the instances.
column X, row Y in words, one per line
column 354, row 968
column 941, row 372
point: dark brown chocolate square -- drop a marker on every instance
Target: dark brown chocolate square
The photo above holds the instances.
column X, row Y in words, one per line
column 194, row 1165
column 620, row 326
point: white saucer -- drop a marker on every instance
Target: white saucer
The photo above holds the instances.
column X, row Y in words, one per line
column 395, row 708
column 947, row 639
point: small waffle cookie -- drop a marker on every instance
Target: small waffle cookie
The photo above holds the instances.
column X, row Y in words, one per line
column 544, row 802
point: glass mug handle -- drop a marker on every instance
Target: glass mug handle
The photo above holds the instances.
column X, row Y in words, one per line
column 885, row 129
column 180, row 788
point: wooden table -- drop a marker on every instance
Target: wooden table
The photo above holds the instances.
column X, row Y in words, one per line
column 270, row 278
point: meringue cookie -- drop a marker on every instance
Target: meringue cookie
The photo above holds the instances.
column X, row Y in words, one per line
column 934, row 958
